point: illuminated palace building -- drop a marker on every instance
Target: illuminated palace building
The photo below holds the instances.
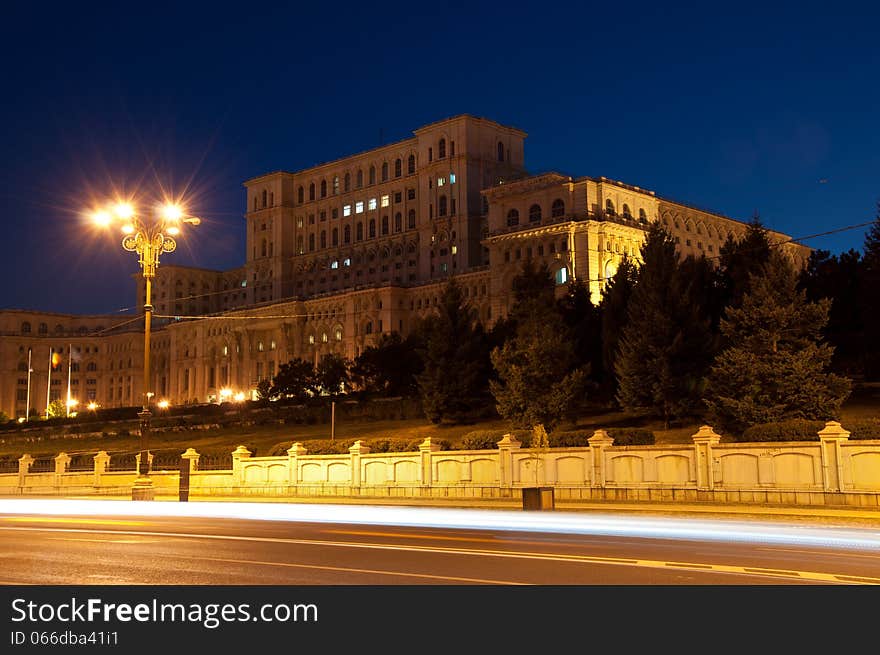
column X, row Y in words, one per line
column 345, row 251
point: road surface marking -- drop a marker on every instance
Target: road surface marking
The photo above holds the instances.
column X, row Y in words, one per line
column 362, row 533
column 815, row 576
column 350, row 570
column 28, row 519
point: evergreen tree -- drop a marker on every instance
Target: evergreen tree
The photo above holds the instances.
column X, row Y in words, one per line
column 453, row 384
column 295, row 379
column 740, row 259
column 775, row 365
column 613, row 309
column 666, row 345
column 839, row 278
column 584, row 321
column 870, row 285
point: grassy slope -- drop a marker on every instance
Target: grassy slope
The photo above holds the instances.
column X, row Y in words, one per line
column 865, row 403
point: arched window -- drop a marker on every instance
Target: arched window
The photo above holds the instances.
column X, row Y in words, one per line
column 323, row 238
column 384, row 171
column 372, row 228
column 500, row 151
column 335, row 185
column 626, row 212
column 263, row 248
column 535, row 214
column 561, row 276
column 643, row 217
column 557, row 209
column 359, row 233
column 398, row 167
column 441, row 149
column 299, row 245
column 411, row 219
column 91, row 366
column 609, row 208
column 610, row 269
column 311, row 242
column 271, row 199
column 323, row 188
column 346, row 234
column 312, row 191
column 26, row 328
column 512, row 218
column 398, row 226
column 300, row 195
column 441, row 206
column 384, row 225
column 411, row 165
column 347, row 183
column 337, row 333
column 44, row 329
column 265, row 194
column 360, row 179
column 368, row 328
column 255, row 203
column 372, row 174
column 334, row 237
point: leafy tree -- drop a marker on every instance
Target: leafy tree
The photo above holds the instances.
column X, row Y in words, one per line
column 295, row 379
column 666, row 345
column 775, row 366
column 537, row 380
column 390, row 367
column 56, row 408
column 613, row 307
column 264, row 391
column 456, row 360
column 4, row 418
column 533, row 282
column 331, row 375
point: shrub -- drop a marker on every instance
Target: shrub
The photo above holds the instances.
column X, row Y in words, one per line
column 480, row 440
column 631, row 436
column 569, row 438
column 796, row 429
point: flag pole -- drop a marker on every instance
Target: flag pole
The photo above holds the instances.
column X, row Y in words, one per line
column 49, row 383
column 27, row 409
column 69, row 366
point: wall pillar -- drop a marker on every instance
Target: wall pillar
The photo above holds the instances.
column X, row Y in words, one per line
column 239, row 454
column 293, row 454
column 193, row 458
column 24, row 466
column 426, row 468
column 598, row 443
column 102, row 459
column 704, row 439
column 830, row 438
column 506, row 446
column 359, row 448
column 62, row 461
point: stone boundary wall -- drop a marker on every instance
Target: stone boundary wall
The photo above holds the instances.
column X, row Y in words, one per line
column 832, row 471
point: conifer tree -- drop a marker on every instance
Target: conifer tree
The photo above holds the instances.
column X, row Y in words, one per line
column 870, row 290
column 613, row 308
column 775, row 366
column 740, row 259
column 666, row 346
column 453, row 385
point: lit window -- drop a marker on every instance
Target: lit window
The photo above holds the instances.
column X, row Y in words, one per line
column 324, row 337
column 334, row 264
column 386, row 200
column 454, row 250
column 452, row 178
column 359, row 207
column 441, row 181
column 338, row 334
column 225, row 350
column 260, row 346
column 311, row 338
column 346, row 210
column 346, row 261
column 299, row 222
column 272, row 346
column 562, row 276
column 372, row 204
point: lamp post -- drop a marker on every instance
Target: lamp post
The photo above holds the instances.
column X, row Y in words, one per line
column 149, row 241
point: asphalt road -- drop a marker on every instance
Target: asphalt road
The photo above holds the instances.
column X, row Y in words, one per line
column 108, row 546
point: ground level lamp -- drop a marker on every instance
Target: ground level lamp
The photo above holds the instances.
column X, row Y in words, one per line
column 149, row 241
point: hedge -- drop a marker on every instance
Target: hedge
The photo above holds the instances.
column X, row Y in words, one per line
column 805, row 430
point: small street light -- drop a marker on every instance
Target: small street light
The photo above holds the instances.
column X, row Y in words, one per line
column 149, row 241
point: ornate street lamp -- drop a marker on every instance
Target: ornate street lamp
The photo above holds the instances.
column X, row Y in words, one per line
column 148, row 241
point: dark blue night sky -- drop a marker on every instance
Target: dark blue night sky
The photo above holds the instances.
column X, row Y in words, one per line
column 772, row 108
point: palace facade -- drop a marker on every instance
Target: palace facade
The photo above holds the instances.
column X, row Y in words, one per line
column 345, row 251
